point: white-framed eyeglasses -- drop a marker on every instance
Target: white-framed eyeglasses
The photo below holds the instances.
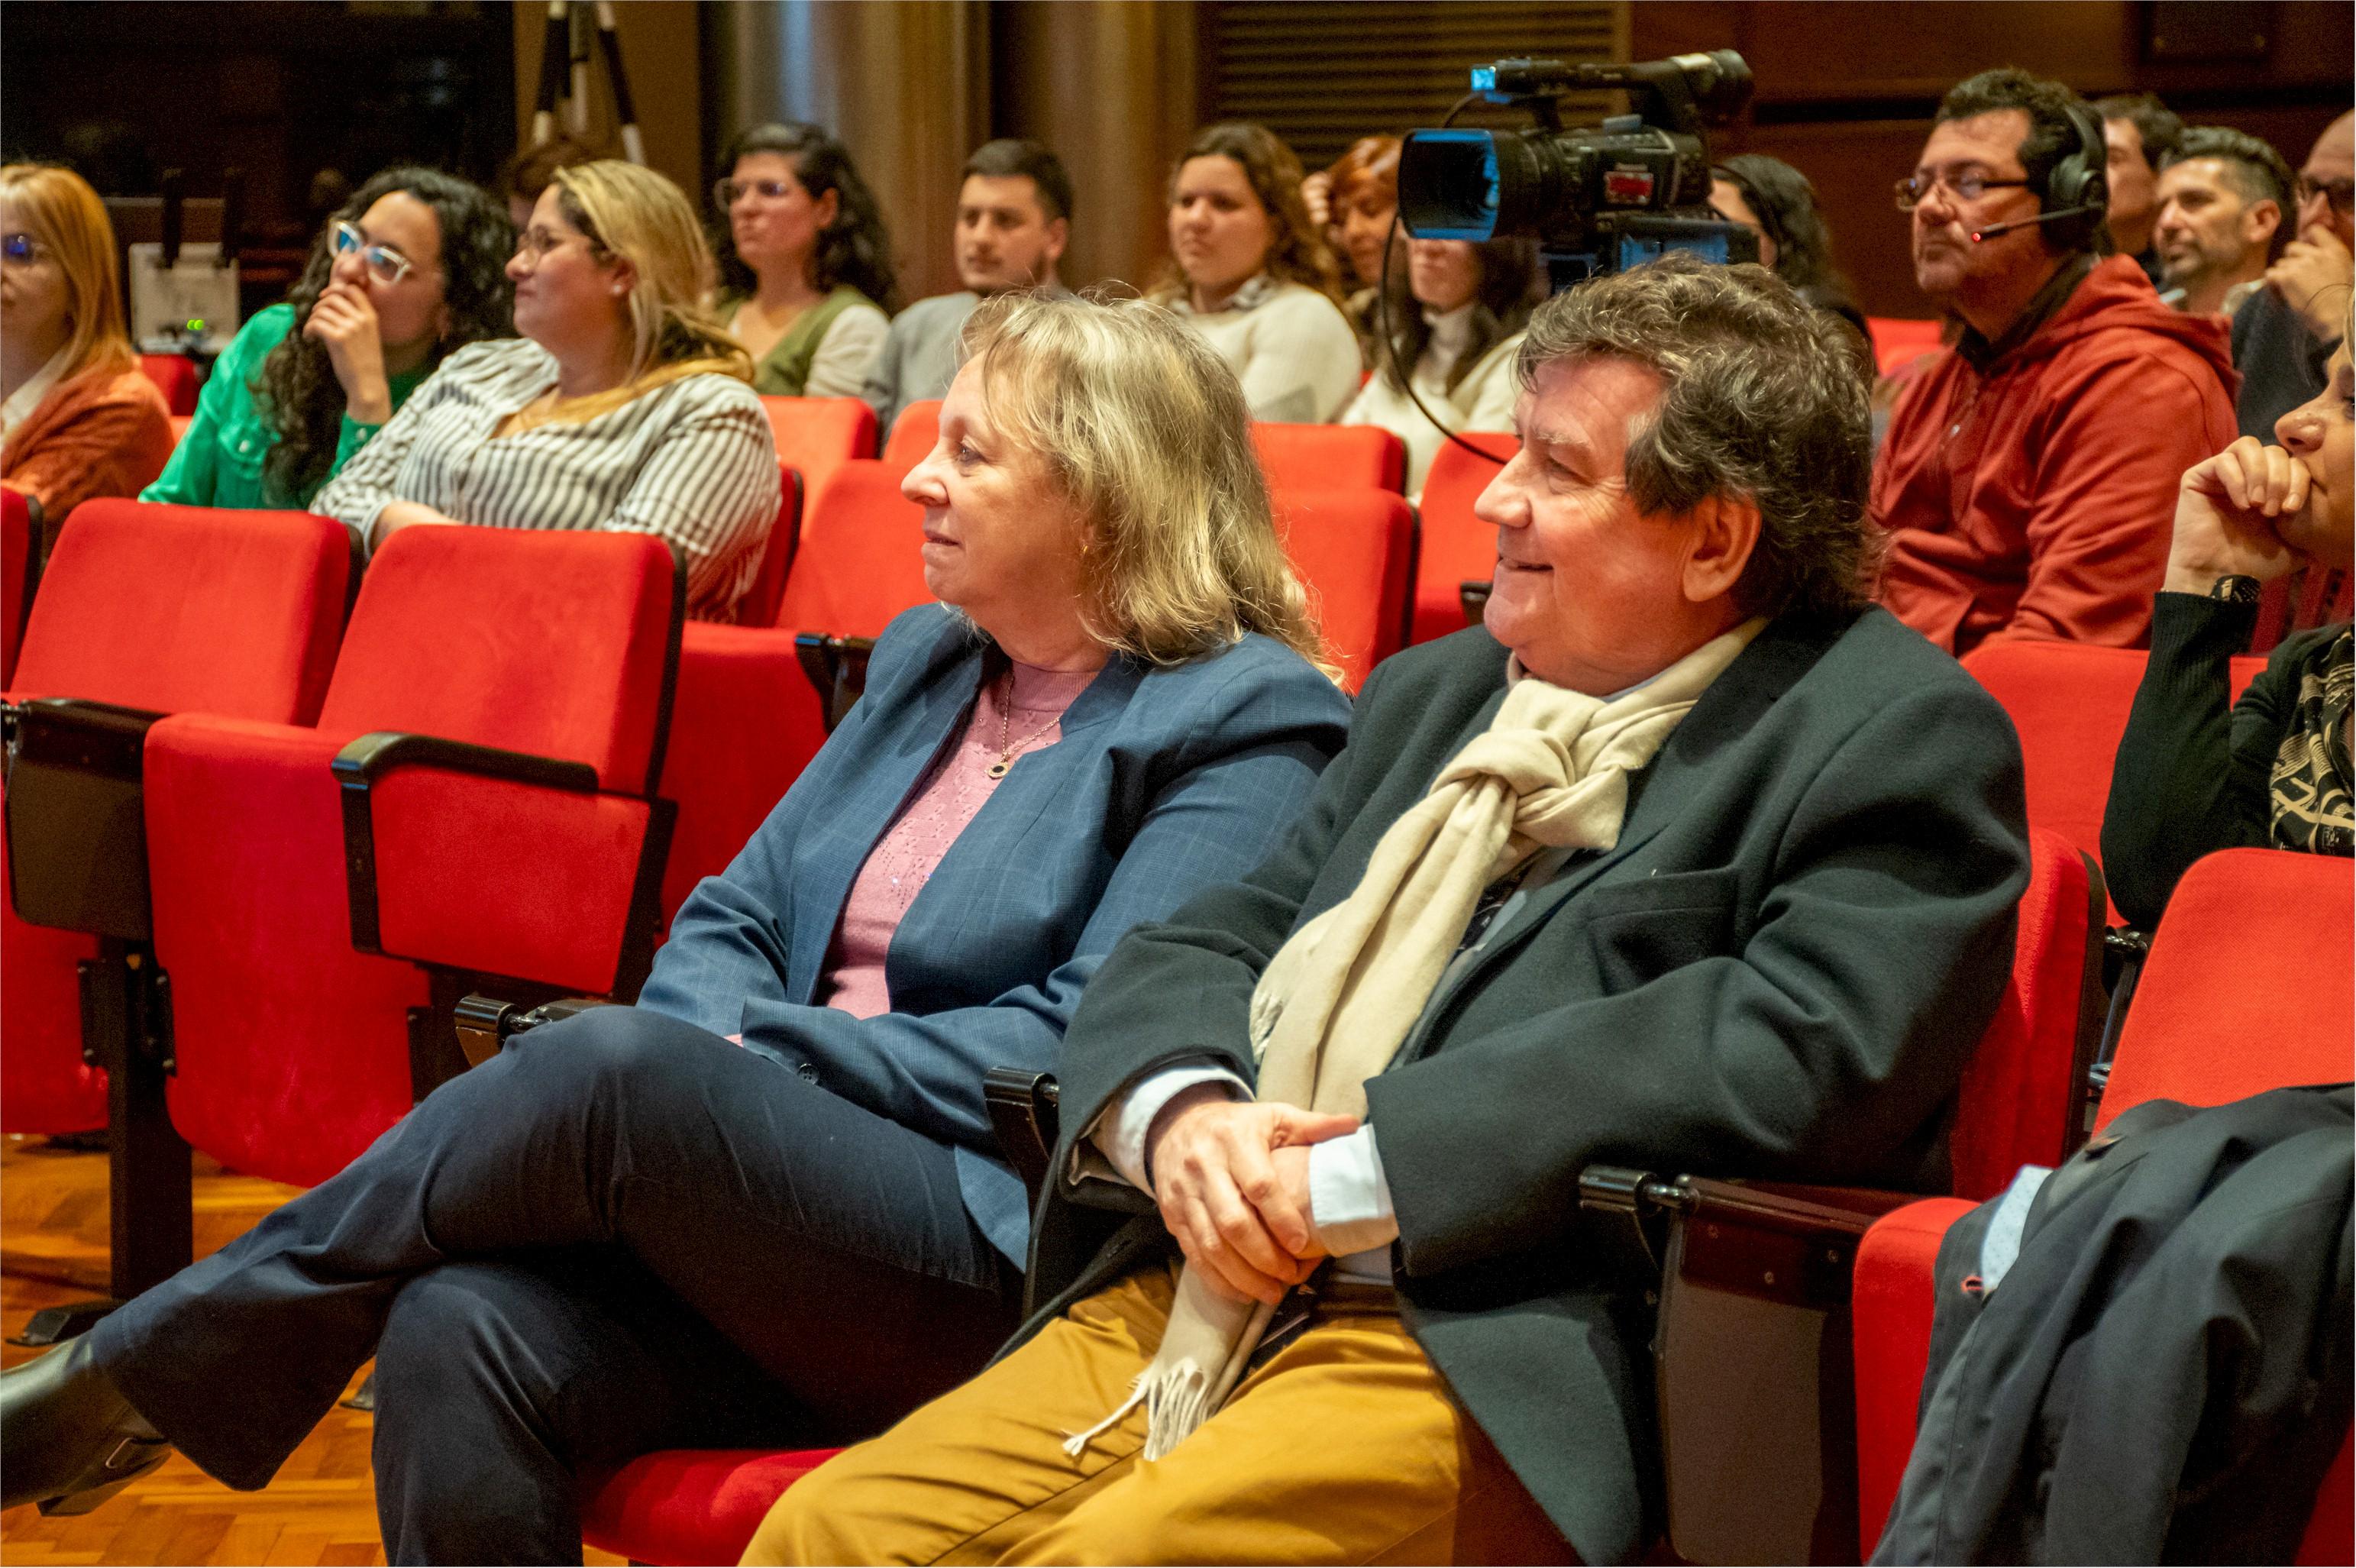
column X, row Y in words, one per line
column 384, row 263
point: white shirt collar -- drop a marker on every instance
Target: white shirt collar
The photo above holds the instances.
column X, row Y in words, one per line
column 1257, row 292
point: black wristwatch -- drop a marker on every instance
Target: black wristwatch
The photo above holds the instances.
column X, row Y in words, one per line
column 2234, row 589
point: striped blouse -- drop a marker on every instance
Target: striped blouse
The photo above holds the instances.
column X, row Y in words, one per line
column 692, row 462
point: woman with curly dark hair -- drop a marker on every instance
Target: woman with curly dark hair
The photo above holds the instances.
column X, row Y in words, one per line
column 805, row 272
column 408, row 271
column 1251, row 273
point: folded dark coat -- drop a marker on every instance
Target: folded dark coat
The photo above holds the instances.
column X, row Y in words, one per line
column 2163, row 1374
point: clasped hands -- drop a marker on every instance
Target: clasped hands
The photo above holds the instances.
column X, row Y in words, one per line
column 1232, row 1180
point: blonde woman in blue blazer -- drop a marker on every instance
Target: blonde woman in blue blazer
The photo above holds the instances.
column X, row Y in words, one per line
column 736, row 1214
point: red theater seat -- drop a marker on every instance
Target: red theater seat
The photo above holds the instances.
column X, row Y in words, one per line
column 2249, row 987
column 162, row 609
column 1457, row 547
column 745, row 723
column 286, row 860
column 1355, row 550
column 861, row 559
column 1330, row 456
column 914, row 433
column 688, row 1505
column 759, row 605
column 2069, row 701
column 20, row 573
column 817, row 436
column 174, row 376
column 1898, row 343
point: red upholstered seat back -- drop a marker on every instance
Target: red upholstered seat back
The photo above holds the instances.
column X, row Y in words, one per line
column 17, row 546
column 2251, row 984
column 861, row 559
column 2014, row 1105
column 1897, row 341
column 174, row 376
column 188, row 609
column 2070, row 702
column 1330, row 456
column 550, row 643
column 819, row 435
column 914, row 433
column 1353, row 550
column 759, row 605
column 689, row 1505
column 1457, row 547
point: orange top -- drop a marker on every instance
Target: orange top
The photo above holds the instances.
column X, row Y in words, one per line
column 103, row 432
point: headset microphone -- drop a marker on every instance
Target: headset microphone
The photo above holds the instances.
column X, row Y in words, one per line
column 1981, row 236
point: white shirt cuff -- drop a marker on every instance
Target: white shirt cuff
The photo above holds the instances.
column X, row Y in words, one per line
column 1121, row 1132
column 1349, row 1199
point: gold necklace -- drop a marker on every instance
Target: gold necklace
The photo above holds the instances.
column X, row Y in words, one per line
column 1006, row 752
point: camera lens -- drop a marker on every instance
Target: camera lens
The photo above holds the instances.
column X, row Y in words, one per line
column 1447, row 183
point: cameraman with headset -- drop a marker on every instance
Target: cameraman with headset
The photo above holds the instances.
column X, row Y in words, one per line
column 2030, row 470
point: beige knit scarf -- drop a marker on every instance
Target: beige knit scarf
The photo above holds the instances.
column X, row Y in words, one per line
column 1336, row 1001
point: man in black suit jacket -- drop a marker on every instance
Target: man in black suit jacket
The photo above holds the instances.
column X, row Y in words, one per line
column 1777, row 966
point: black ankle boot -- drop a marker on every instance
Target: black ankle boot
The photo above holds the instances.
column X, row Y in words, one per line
column 69, row 1440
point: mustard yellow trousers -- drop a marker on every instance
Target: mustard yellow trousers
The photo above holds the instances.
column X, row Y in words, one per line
column 1343, row 1447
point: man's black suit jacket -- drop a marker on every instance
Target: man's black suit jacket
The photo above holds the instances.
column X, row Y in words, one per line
column 1779, row 971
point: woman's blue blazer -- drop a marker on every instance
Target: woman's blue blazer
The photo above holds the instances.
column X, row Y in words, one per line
column 1165, row 781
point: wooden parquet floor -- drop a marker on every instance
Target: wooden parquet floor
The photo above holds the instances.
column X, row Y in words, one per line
column 322, row 1507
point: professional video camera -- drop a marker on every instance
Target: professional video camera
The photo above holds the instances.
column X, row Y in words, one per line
column 1596, row 201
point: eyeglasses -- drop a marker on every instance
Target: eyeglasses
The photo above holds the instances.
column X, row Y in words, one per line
column 1964, row 184
column 727, row 192
column 384, row 263
column 22, row 248
column 2339, row 193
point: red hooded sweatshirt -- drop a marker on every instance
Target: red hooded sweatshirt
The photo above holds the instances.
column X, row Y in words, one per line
column 2033, row 497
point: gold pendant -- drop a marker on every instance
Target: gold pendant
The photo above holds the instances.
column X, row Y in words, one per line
column 998, row 769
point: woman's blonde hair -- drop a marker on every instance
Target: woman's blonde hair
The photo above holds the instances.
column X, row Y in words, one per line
column 66, row 218
column 637, row 215
column 1144, row 430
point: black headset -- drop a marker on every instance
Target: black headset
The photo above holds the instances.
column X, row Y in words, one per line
column 2079, row 184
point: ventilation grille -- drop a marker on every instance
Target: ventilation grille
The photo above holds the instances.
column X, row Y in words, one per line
column 1321, row 76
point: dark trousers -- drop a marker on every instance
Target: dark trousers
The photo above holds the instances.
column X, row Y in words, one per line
column 621, row 1234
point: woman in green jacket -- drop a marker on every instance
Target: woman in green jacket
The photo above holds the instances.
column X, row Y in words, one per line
column 413, row 268
column 806, row 269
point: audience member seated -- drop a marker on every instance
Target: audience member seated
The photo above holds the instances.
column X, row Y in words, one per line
column 1251, row 273
column 805, row 261
column 1775, row 200
column 2273, row 772
column 2224, row 216
column 625, row 1232
column 1014, row 219
column 2027, row 477
column 1354, row 202
column 412, row 269
column 78, row 419
column 1455, row 329
column 2138, row 134
column 2284, row 336
column 528, row 173
column 1690, row 860
column 622, row 406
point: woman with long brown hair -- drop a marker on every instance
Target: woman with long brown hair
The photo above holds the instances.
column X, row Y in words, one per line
column 1249, row 272
column 76, row 417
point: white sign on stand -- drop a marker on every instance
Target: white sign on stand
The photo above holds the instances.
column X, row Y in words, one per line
column 192, row 306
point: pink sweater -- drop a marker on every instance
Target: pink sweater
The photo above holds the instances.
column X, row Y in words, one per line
column 944, row 802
